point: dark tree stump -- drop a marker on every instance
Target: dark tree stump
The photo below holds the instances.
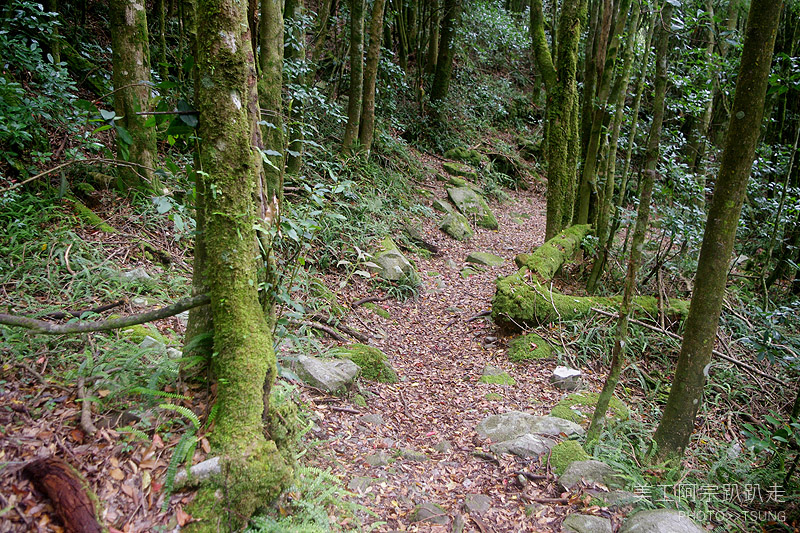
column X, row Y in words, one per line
column 71, row 495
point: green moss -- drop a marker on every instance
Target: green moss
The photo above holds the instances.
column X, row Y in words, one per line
column 373, row 363
column 378, row 310
column 359, row 400
column 84, row 188
column 548, row 258
column 89, row 217
column 579, row 407
column 565, row 453
column 244, row 485
column 137, row 333
column 493, row 396
column 459, row 169
column 284, row 423
column 529, row 347
column 498, row 379
column 457, row 182
column 473, row 157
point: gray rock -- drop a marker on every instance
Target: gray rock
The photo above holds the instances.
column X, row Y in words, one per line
column 566, row 378
column 486, row 259
column 585, row 523
column 458, row 523
column 443, row 446
column 378, row 459
column 392, row 265
column 659, row 521
column 490, row 370
column 430, row 513
column 373, row 419
column 334, row 375
column 149, row 343
column 477, row 503
column 137, row 274
column 174, row 353
column 183, row 318
column 527, row 445
column 140, row 302
column 413, row 455
column 473, row 206
column 442, row 206
column 360, row 483
column 589, row 472
column 452, row 265
column 457, row 226
column 513, row 424
column 617, row 499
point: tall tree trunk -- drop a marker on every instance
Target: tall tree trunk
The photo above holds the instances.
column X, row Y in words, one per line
column 163, row 68
column 685, row 397
column 295, row 54
column 642, row 221
column 562, row 103
column 599, row 117
column 433, row 41
column 270, row 60
column 54, row 43
column 253, row 472
column 356, row 73
column 320, row 36
column 131, row 77
column 447, row 44
column 367, row 128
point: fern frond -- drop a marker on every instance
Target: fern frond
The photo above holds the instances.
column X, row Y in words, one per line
column 144, row 391
column 186, row 412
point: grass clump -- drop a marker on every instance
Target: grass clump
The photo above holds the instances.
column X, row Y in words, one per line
column 529, row 347
column 498, row 379
column 493, row 396
column 378, row 310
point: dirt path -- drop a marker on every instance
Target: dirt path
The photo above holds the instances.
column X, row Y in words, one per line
column 440, row 357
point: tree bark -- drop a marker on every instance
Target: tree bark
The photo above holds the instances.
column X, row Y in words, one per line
column 675, row 429
column 253, row 471
column 131, row 78
column 444, row 65
column 295, row 53
column 356, row 73
column 367, row 127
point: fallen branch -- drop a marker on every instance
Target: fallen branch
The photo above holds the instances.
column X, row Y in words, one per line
column 344, row 409
column 197, row 474
column 48, row 328
column 487, row 312
column 715, row 352
column 341, row 327
column 86, row 408
column 321, row 327
column 77, row 314
column 368, row 299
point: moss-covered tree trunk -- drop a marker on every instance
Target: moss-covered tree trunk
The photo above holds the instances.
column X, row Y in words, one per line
column 444, row 64
column 367, row 128
column 642, row 220
column 433, row 40
column 675, row 429
column 294, row 56
column 270, row 61
column 598, row 120
column 356, row 73
column 253, row 472
column 131, row 77
column 562, row 108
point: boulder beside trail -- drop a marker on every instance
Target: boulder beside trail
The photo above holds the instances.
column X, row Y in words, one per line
column 589, row 472
column 585, row 523
column 485, row 259
column 659, row 521
column 390, row 262
column 473, row 206
column 513, row 424
column 334, row 375
column 456, row 225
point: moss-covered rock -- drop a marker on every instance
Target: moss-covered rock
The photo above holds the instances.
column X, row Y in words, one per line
column 457, row 226
column 473, row 206
column 373, row 363
column 460, row 169
column 473, row 157
column 493, row 396
column 138, row 332
column 579, row 407
column 565, row 453
column 87, row 216
column 498, row 379
column 529, row 347
column 378, row 310
column 441, row 206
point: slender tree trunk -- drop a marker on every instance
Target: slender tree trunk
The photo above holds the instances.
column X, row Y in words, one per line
column 367, row 128
column 356, row 73
column 607, row 202
column 447, row 44
column 54, row 44
column 675, row 429
column 253, row 471
column 562, row 103
column 295, row 54
column 269, row 94
column 163, row 69
column 320, row 36
column 433, row 41
column 131, row 78
column 642, row 221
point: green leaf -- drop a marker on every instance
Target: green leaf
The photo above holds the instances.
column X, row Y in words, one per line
column 107, row 115
column 124, row 135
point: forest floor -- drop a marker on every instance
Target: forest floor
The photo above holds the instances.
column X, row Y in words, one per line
column 439, row 347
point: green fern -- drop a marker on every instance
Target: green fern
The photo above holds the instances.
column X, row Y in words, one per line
column 184, row 451
column 145, row 391
column 134, row 433
column 185, row 411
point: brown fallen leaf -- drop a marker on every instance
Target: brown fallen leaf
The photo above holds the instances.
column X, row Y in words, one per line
column 117, row 474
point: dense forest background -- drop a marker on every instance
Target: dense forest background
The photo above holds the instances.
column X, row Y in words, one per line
column 195, row 195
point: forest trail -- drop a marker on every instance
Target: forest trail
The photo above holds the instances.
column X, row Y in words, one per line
column 440, row 355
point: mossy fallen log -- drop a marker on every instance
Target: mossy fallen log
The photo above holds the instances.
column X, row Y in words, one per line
column 527, row 299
